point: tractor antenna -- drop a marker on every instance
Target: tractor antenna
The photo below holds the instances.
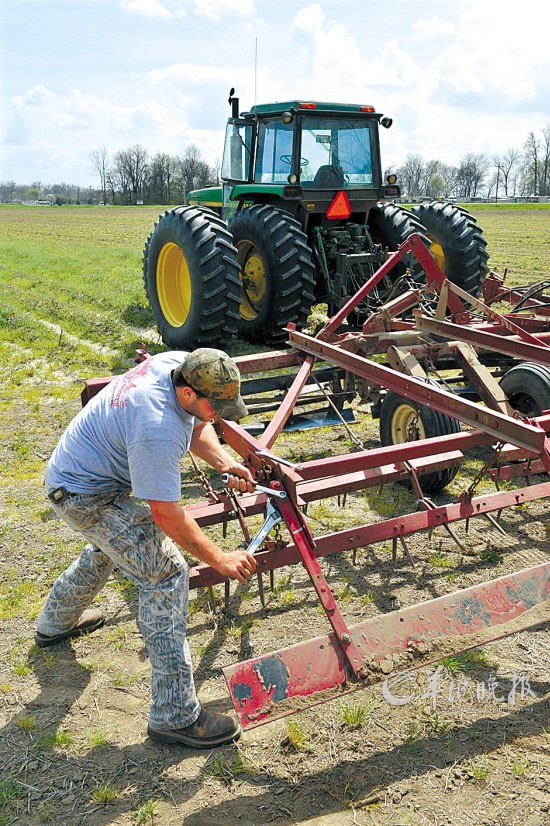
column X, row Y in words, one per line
column 255, row 71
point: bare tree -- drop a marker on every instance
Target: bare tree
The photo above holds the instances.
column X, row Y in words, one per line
column 161, row 174
column 411, row 174
column 471, row 174
column 193, row 170
column 100, row 160
column 545, row 161
column 532, row 148
column 131, row 168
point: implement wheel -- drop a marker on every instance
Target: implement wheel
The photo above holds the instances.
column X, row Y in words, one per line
column 457, row 243
column 191, row 278
column 403, row 420
column 276, row 270
column 528, row 388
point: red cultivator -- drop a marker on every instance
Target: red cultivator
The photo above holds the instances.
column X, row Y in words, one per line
column 437, row 329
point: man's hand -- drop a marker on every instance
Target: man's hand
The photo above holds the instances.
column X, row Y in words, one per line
column 240, row 478
column 237, row 565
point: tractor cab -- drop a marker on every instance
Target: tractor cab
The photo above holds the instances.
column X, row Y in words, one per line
column 303, row 152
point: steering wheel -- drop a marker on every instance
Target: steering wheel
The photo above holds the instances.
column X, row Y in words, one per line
column 288, row 159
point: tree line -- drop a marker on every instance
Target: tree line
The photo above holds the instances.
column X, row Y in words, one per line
column 517, row 172
column 133, row 176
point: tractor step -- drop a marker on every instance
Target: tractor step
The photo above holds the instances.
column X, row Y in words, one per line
column 266, row 688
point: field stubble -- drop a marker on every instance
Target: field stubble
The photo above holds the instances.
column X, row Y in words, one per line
column 73, row 745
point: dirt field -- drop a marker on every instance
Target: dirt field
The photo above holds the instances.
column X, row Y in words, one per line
column 465, row 743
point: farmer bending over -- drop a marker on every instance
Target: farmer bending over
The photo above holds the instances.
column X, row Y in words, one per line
column 126, row 445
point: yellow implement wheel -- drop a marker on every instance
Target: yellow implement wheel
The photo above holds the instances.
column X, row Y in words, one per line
column 403, row 420
column 174, row 288
column 406, row 425
column 253, row 278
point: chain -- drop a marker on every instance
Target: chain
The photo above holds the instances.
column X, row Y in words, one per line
column 207, row 487
column 493, row 458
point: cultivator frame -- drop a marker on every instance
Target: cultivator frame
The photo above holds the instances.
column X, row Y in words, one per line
column 445, row 330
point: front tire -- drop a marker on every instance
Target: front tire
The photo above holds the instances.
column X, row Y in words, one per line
column 456, row 243
column 403, row 420
column 276, row 270
column 191, row 278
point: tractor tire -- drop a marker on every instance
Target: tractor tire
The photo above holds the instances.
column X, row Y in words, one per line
column 191, row 279
column 456, row 243
column 389, row 226
column 277, row 273
column 403, row 420
column 528, row 388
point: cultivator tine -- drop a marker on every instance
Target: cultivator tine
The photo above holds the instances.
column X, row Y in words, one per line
column 226, row 594
column 455, row 538
column 467, row 526
column 261, row 588
column 494, row 523
column 212, row 599
column 272, row 580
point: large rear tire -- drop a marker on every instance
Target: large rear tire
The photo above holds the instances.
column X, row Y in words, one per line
column 191, row 279
column 403, row 420
column 528, row 388
column 276, row 270
column 389, row 226
column 456, row 243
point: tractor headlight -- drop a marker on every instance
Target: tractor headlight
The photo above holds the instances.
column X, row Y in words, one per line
column 292, row 178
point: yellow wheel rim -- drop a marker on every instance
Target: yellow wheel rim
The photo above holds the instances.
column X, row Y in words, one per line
column 253, row 280
column 173, row 285
column 406, row 425
column 437, row 251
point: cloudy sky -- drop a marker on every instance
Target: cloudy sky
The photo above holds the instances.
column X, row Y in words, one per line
column 456, row 76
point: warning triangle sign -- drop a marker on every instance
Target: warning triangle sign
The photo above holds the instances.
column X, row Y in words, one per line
column 339, row 208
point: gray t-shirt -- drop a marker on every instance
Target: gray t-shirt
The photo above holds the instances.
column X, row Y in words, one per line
column 133, row 434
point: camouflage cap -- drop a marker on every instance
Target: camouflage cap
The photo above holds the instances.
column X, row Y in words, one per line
column 213, row 374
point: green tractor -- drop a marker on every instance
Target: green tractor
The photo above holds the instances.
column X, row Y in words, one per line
column 301, row 217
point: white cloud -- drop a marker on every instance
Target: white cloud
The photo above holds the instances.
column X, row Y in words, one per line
column 432, row 27
column 215, row 9
column 147, row 8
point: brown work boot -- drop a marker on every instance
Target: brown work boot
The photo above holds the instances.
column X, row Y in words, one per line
column 89, row 621
column 208, row 730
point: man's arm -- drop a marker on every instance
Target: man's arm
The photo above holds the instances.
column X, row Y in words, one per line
column 206, row 445
column 184, row 530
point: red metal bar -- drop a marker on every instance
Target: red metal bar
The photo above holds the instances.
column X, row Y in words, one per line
column 492, row 314
column 526, row 351
column 271, row 686
column 369, row 534
column 286, row 407
column 501, row 427
column 299, row 530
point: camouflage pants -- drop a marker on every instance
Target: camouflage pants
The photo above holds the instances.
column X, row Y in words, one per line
column 121, row 533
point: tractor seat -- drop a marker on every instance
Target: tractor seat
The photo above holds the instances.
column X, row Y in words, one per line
column 328, row 176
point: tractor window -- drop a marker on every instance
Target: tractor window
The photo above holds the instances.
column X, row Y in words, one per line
column 338, row 152
column 274, row 160
column 236, row 152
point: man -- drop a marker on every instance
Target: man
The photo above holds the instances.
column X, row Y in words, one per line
column 126, row 445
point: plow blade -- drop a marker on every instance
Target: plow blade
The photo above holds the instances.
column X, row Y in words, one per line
column 274, row 685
